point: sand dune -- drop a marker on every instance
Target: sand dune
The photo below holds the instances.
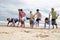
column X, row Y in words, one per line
column 18, row 33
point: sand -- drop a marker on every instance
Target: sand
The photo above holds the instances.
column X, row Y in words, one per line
column 37, row 33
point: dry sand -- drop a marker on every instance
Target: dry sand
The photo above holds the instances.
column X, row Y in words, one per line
column 18, row 33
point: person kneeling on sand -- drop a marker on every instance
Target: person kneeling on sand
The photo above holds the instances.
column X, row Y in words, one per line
column 47, row 21
column 12, row 20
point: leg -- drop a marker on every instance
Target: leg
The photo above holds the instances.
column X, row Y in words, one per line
column 18, row 23
column 53, row 23
column 37, row 24
column 44, row 25
column 49, row 24
column 56, row 26
column 31, row 24
column 13, row 24
column 23, row 24
column 53, row 26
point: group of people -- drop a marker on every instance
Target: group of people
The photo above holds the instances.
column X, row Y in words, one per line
column 32, row 20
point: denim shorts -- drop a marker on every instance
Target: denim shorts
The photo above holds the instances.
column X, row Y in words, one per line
column 54, row 22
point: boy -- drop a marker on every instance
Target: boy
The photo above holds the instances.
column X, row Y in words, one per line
column 38, row 14
column 22, row 17
column 31, row 19
column 47, row 21
column 12, row 20
column 54, row 17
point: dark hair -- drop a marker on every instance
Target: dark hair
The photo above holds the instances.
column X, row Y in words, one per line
column 52, row 8
column 20, row 10
column 7, row 18
column 37, row 10
column 30, row 11
column 46, row 18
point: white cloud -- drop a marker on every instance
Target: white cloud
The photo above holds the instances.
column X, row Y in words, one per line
column 27, row 5
column 41, row 3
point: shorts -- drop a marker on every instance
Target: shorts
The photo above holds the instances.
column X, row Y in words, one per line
column 22, row 22
column 15, row 20
column 23, row 19
column 31, row 22
column 38, row 19
column 54, row 22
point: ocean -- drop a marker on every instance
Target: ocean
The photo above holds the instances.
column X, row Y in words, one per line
column 14, row 14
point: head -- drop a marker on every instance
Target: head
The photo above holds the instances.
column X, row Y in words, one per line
column 8, row 19
column 20, row 10
column 46, row 20
column 52, row 9
column 37, row 10
column 30, row 11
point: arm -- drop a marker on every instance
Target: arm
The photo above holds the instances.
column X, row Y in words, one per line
column 8, row 23
column 19, row 15
column 57, row 16
column 34, row 15
column 49, row 15
column 40, row 15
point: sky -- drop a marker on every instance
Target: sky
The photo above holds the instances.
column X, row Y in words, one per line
column 9, row 8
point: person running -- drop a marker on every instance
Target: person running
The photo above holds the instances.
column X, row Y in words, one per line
column 21, row 17
column 38, row 14
column 31, row 19
column 54, row 17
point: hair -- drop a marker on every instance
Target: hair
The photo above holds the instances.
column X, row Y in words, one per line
column 37, row 9
column 8, row 18
column 20, row 10
column 46, row 18
column 52, row 8
column 30, row 11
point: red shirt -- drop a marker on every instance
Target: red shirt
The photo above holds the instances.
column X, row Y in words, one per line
column 21, row 14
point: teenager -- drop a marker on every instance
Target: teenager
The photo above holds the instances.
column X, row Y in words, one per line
column 38, row 14
column 54, row 17
column 12, row 20
column 21, row 17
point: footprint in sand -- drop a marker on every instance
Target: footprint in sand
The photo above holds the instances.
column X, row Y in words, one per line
column 42, row 36
column 4, row 32
column 55, row 31
column 26, row 31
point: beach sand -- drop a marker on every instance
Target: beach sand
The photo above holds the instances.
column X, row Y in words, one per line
column 37, row 33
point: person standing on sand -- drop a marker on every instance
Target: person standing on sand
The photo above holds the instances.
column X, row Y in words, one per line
column 38, row 14
column 54, row 17
column 21, row 16
column 31, row 19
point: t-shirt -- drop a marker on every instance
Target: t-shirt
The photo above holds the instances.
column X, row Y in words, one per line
column 14, row 19
column 21, row 14
column 53, row 15
column 38, row 14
